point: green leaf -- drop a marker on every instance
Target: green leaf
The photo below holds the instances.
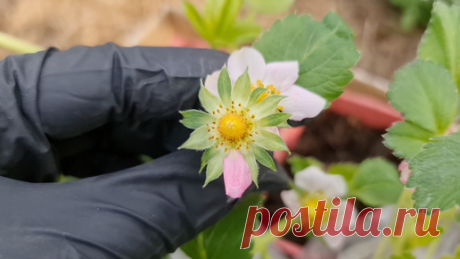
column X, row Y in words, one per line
column 435, row 173
column 263, row 157
column 223, row 240
column 416, row 93
column 428, row 109
column 215, row 166
column 270, row 6
column 376, row 183
column 270, row 141
column 273, row 119
column 196, row 20
column 193, row 119
column 347, row 170
column 199, row 139
column 224, row 87
column 407, row 139
column 208, row 100
column 334, row 23
column 299, row 163
column 324, row 55
column 242, row 89
column 441, row 41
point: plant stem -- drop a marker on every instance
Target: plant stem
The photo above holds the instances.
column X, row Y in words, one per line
column 17, row 45
column 404, row 201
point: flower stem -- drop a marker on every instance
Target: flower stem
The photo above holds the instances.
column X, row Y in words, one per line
column 404, row 201
column 17, row 45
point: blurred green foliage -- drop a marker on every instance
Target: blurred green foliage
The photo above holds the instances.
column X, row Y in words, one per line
column 220, row 26
column 417, row 12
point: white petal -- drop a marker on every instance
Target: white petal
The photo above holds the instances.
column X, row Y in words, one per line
column 291, row 200
column 211, row 83
column 243, row 58
column 302, row 103
column 336, row 186
column 281, row 75
column 335, row 243
column 311, row 179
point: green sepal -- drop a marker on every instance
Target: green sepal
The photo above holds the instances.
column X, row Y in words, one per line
column 215, row 166
column 255, row 95
column 270, row 141
column 224, row 87
column 242, row 89
column 273, row 119
column 267, row 106
column 208, row 154
column 252, row 163
column 263, row 157
column 193, row 119
column 198, row 140
column 208, row 100
column 284, row 125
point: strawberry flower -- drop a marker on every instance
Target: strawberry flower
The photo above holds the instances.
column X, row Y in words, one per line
column 235, row 131
column 277, row 78
column 313, row 185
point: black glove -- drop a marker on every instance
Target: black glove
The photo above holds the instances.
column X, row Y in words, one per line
column 90, row 111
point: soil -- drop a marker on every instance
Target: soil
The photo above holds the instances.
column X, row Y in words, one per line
column 383, row 45
column 333, row 138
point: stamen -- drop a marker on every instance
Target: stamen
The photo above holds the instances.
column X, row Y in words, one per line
column 280, row 108
column 253, row 116
column 226, row 150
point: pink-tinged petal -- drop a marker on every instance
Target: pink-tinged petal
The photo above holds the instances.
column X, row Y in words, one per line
column 405, row 172
column 281, row 75
column 302, row 103
column 244, row 58
column 237, row 175
column 211, row 83
column 274, row 130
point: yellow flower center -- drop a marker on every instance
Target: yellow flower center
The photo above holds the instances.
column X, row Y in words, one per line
column 232, row 127
column 272, row 90
column 312, row 202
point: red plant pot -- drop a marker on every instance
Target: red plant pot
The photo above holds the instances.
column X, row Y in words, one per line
column 373, row 112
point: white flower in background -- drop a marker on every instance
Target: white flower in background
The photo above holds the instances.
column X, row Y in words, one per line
column 318, row 185
column 277, row 77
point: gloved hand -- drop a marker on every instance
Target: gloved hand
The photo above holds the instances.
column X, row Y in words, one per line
column 91, row 111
